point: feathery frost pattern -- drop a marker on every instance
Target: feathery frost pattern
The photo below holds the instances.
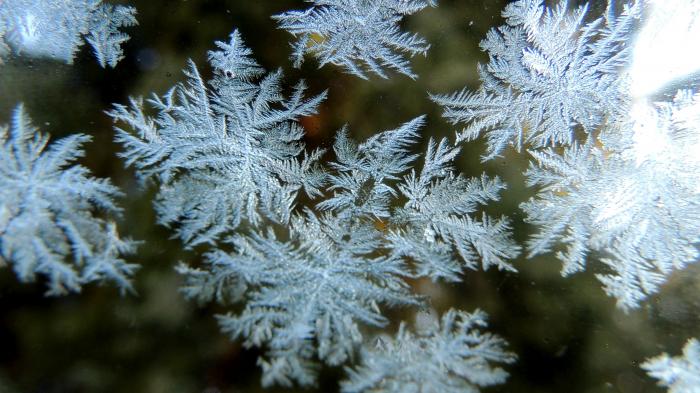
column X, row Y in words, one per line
column 635, row 201
column 47, row 225
column 306, row 296
column 627, row 194
column 614, row 160
column 4, row 48
column 225, row 153
column 57, row 29
column 549, row 74
column 679, row 374
column 435, row 227
column 449, row 356
column 358, row 35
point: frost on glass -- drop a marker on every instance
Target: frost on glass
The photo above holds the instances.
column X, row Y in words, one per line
column 57, row 29
column 304, row 296
column 224, row 151
column 308, row 288
column 4, row 49
column 616, row 172
column 436, row 228
column 48, row 224
column 448, row 356
column 550, row 72
column 634, row 200
column 357, row 35
column 680, row 374
column 439, row 228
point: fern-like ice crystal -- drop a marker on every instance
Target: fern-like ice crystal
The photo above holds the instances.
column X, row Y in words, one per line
column 304, row 296
column 357, row 35
column 47, row 205
column 679, row 374
column 437, row 227
column 306, row 293
column 617, row 176
column 550, row 72
column 634, row 200
column 225, row 153
column 57, row 29
column 448, row 356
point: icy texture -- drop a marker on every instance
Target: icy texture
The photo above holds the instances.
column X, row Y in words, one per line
column 47, row 205
column 450, row 356
column 358, row 35
column 550, row 73
column 635, row 200
column 225, row 153
column 617, row 174
column 57, row 29
column 437, row 228
column 307, row 293
column 679, row 374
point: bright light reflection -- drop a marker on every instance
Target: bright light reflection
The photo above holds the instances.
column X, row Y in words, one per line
column 667, row 47
column 650, row 142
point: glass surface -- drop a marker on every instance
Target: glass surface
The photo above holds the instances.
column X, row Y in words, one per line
column 567, row 333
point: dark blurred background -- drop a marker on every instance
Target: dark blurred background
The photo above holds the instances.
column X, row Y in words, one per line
column 568, row 334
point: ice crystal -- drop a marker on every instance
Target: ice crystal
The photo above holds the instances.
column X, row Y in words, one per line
column 225, row 153
column 48, row 224
column 449, row 356
column 550, row 72
column 358, row 35
column 306, row 295
column 680, row 374
column 57, row 29
column 634, row 200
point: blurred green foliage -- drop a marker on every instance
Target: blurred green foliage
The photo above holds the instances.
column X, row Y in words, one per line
column 568, row 334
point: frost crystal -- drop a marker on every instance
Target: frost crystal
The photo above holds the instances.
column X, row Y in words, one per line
column 4, row 49
column 549, row 73
column 350, row 33
column 628, row 194
column 47, row 224
column 636, row 200
column 447, row 357
column 56, row 29
column 306, row 295
column 435, row 227
column 226, row 153
column 680, row 374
